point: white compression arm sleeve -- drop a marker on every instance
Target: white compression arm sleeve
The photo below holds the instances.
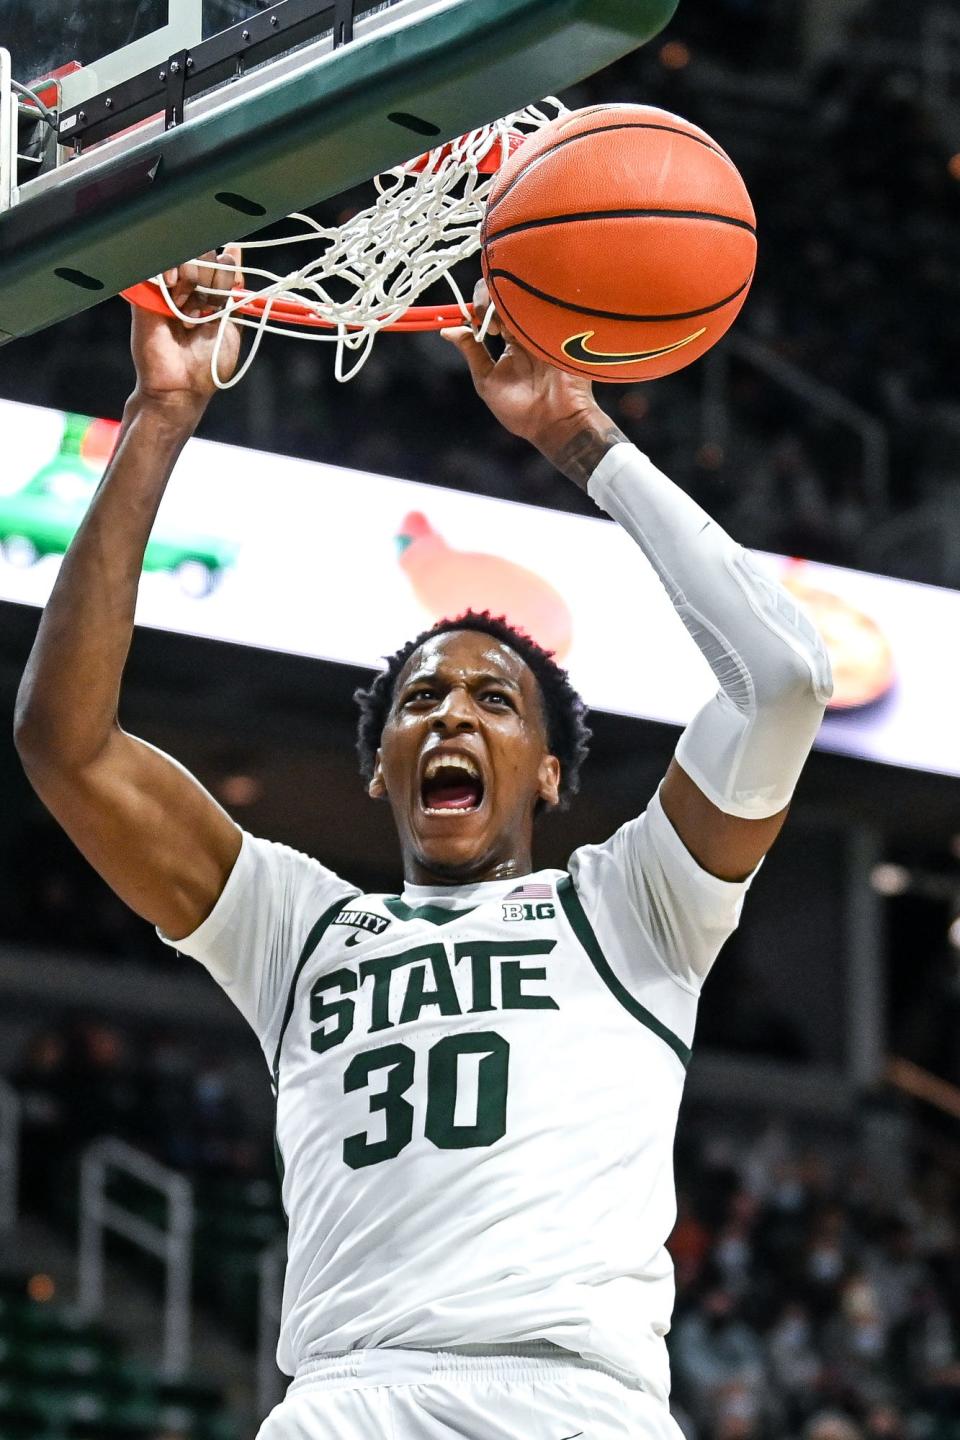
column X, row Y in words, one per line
column 746, row 747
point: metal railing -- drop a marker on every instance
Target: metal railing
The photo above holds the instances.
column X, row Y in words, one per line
column 715, row 410
column 10, row 1108
column 271, row 1385
column 171, row 1243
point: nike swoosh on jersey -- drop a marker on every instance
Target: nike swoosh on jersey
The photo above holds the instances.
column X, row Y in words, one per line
column 577, row 348
column 356, row 937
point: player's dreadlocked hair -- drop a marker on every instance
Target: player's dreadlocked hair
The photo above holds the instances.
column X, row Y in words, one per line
column 567, row 732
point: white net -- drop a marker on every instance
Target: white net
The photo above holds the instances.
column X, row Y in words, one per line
column 426, row 219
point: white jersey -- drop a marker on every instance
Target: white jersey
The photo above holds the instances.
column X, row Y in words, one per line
column 477, row 1092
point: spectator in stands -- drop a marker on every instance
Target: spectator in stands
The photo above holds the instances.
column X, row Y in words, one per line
column 884, row 1422
column 45, row 1087
column 718, row 1359
column 831, row 1425
column 104, row 1081
column 795, row 1365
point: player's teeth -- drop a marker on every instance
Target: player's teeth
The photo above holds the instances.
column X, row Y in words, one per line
column 451, row 762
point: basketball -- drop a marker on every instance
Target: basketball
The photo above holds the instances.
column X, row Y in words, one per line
column 619, row 242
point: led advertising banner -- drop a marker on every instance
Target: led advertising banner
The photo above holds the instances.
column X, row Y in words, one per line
column 291, row 555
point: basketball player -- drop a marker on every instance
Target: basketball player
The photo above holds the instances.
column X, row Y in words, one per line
column 477, row 1080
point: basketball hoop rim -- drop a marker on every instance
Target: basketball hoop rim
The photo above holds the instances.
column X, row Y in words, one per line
column 148, row 296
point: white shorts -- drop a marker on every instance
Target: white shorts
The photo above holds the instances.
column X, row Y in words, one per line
column 537, row 1391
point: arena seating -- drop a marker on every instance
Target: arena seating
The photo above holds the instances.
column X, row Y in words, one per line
column 62, row 1378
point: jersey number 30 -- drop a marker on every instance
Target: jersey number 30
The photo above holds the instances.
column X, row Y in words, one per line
column 443, row 1061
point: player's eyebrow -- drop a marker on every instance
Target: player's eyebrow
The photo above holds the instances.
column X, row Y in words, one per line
column 419, row 677
column 435, row 676
column 503, row 682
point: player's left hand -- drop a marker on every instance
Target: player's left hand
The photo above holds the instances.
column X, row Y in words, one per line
column 172, row 356
column 529, row 397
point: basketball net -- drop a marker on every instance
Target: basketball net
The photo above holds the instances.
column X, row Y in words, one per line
column 426, row 219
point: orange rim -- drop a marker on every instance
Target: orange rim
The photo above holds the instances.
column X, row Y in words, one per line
column 289, row 312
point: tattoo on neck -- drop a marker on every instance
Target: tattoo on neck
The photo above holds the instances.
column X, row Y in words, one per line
column 580, row 456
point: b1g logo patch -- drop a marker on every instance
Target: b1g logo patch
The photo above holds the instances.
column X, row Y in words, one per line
column 528, row 910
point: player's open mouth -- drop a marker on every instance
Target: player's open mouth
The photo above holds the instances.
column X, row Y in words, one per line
column 451, row 784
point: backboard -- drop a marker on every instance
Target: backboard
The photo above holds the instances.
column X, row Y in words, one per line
column 46, row 35
column 195, row 122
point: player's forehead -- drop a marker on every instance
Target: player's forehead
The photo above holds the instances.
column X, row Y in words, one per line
column 468, row 656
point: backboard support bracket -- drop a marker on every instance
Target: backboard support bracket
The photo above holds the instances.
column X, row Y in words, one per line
column 173, row 77
column 343, row 23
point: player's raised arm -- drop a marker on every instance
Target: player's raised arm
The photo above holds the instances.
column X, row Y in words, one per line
column 727, row 792
column 154, row 834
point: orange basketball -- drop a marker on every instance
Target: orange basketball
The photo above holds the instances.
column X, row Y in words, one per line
column 619, row 242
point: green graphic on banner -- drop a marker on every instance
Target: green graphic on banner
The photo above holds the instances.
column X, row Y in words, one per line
column 42, row 517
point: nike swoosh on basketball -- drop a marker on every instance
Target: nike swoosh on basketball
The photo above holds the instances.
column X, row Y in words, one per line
column 577, row 348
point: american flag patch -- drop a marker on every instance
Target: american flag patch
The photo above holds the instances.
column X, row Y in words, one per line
column 531, row 892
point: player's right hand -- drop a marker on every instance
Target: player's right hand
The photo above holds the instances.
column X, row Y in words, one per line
column 173, row 357
column 528, row 396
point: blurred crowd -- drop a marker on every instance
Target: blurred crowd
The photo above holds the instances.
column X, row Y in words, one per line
column 818, row 1291
column 818, row 1276
column 50, row 898
column 86, row 1078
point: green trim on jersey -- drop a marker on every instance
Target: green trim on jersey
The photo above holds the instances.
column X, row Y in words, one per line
column 575, row 913
column 311, row 943
column 435, row 914
column 280, row 1164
